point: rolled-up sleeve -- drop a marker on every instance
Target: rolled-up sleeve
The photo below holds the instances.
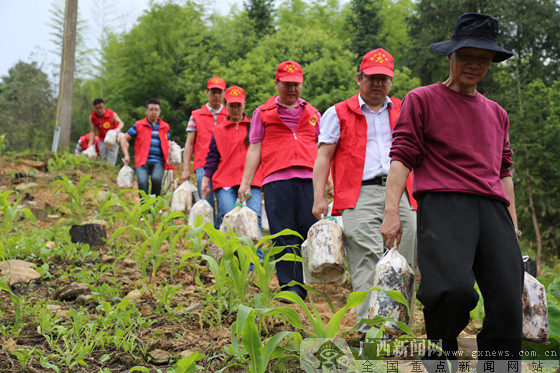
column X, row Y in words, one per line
column 329, row 127
column 408, row 139
column 256, row 133
column 507, row 153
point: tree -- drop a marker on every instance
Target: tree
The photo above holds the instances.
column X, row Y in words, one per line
column 63, row 121
column 28, row 107
column 364, row 26
column 166, row 55
column 260, row 13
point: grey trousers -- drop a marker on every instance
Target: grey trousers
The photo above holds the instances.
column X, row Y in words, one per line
column 108, row 155
column 364, row 244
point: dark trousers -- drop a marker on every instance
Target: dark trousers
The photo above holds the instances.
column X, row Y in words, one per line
column 288, row 204
column 463, row 238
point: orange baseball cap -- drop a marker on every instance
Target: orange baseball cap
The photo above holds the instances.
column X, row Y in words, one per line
column 235, row 94
column 289, row 71
column 378, row 61
column 216, row 82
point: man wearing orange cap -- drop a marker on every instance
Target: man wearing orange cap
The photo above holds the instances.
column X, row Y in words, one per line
column 355, row 141
column 199, row 132
column 283, row 136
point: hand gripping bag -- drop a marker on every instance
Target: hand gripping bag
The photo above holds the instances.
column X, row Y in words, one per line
column 125, row 178
column 392, row 272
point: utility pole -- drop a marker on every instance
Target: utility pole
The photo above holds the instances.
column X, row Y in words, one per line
column 61, row 139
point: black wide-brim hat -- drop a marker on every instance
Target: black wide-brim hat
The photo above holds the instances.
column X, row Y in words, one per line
column 474, row 30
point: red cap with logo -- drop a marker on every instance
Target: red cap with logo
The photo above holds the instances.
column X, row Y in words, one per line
column 235, row 94
column 377, row 61
column 289, row 71
column 216, row 82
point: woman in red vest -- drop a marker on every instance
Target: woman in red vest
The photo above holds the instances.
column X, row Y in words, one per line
column 226, row 157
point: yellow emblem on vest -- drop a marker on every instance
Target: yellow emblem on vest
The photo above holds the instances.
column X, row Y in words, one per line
column 106, row 125
column 313, row 121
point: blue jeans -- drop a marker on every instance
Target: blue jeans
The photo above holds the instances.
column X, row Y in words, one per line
column 226, row 203
column 153, row 171
column 210, row 197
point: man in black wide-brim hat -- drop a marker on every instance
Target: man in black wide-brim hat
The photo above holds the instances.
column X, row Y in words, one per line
column 457, row 143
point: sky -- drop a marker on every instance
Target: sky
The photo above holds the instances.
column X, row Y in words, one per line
column 26, row 32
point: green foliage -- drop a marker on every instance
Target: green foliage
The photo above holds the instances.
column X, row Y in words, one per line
column 260, row 13
column 28, row 108
column 247, row 346
column 11, row 212
column 75, row 192
column 364, row 26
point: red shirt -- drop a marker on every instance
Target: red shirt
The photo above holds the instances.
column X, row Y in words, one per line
column 454, row 142
column 107, row 123
column 144, row 140
column 282, row 147
column 84, row 142
column 349, row 158
column 204, row 120
column 230, row 142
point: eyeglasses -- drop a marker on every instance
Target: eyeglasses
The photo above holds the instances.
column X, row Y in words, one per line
column 382, row 79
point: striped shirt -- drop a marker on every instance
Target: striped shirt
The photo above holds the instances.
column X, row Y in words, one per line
column 156, row 154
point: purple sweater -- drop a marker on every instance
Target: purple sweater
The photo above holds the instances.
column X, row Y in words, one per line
column 453, row 142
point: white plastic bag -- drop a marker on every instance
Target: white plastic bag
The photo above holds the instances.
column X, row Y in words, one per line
column 125, row 178
column 184, row 197
column 308, row 278
column 174, row 154
column 535, row 310
column 392, row 272
column 203, row 208
column 325, row 248
column 338, row 219
column 90, row 152
column 110, row 138
column 168, row 183
column 243, row 221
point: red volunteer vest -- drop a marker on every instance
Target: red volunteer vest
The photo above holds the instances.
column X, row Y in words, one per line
column 282, row 148
column 230, row 140
column 348, row 162
column 204, row 120
column 107, row 123
column 144, row 140
column 84, row 142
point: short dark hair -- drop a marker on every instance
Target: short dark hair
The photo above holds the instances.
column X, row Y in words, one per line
column 152, row 100
column 98, row 101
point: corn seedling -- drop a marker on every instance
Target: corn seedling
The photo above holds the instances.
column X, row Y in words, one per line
column 3, row 143
column 11, row 212
column 247, row 346
column 75, row 193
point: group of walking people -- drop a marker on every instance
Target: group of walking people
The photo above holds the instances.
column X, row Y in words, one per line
column 429, row 175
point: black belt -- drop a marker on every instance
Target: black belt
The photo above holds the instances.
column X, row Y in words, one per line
column 379, row 180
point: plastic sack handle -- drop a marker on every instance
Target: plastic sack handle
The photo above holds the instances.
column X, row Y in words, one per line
column 390, row 256
column 238, row 202
column 532, row 295
column 331, row 218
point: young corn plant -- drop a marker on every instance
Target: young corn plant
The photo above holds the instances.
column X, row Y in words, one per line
column 75, row 192
column 11, row 212
column 248, row 349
